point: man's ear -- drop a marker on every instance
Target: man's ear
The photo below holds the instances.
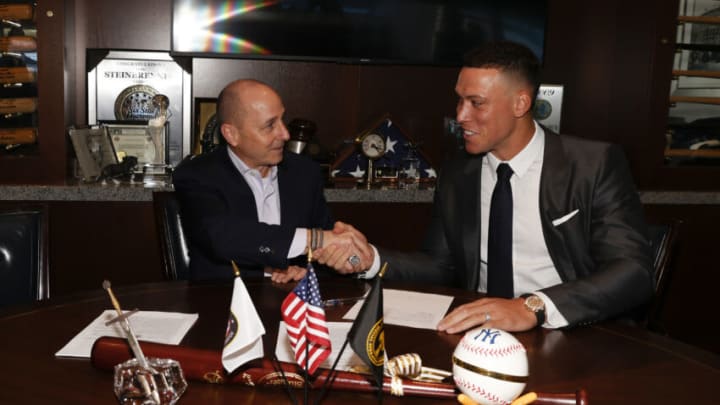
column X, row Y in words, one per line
column 230, row 133
column 522, row 103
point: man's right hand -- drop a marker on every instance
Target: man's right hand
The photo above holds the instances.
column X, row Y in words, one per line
column 340, row 244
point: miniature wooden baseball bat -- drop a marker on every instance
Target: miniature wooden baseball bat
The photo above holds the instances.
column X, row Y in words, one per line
column 18, row 105
column 16, row 11
column 21, row 43
column 14, row 136
column 9, row 75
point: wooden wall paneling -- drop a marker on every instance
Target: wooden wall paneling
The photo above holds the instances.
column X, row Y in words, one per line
column 325, row 93
column 418, row 98
column 399, row 226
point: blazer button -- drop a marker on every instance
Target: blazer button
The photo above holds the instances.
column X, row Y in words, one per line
column 264, row 250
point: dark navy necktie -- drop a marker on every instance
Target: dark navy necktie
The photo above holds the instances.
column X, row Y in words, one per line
column 499, row 246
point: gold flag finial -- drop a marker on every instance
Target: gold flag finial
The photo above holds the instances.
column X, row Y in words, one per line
column 236, row 270
column 383, row 270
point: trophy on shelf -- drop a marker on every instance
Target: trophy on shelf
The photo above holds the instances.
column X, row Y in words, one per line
column 144, row 381
column 154, row 173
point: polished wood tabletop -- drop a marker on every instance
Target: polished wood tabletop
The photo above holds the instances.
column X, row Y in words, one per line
column 616, row 363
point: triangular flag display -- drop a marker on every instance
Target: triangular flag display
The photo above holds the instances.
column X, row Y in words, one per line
column 243, row 336
column 305, row 319
column 366, row 336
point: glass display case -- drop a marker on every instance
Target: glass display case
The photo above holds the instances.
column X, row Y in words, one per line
column 32, row 108
column 693, row 127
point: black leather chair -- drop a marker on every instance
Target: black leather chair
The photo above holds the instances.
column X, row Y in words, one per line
column 173, row 248
column 663, row 238
column 23, row 256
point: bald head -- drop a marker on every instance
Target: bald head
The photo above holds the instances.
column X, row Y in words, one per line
column 235, row 99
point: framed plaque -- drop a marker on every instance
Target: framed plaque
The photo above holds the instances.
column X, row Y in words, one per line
column 122, row 86
column 146, row 143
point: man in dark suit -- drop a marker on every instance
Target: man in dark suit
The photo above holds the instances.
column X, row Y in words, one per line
column 579, row 251
column 250, row 201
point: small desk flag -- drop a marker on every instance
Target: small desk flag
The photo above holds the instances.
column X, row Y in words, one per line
column 367, row 335
column 243, row 336
column 305, row 319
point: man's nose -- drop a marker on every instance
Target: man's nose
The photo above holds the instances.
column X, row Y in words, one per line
column 284, row 133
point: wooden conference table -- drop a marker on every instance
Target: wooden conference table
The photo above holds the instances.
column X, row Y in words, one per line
column 615, row 363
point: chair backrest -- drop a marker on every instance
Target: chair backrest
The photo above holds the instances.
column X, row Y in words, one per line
column 23, row 256
column 173, row 247
column 663, row 238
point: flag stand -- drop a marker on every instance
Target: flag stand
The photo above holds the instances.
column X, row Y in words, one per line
column 286, row 384
column 331, row 374
column 366, row 337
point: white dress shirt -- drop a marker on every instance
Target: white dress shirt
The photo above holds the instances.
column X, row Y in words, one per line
column 267, row 200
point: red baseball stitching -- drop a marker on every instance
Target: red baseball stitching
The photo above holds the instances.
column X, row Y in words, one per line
column 505, row 351
column 479, row 390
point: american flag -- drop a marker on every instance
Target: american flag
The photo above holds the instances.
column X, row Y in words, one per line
column 399, row 150
column 305, row 319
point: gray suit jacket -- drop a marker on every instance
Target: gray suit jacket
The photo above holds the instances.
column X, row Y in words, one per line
column 601, row 253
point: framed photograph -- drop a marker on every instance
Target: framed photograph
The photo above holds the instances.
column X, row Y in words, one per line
column 130, row 138
column 94, row 151
column 205, row 124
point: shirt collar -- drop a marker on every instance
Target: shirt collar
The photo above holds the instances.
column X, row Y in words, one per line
column 245, row 170
column 525, row 158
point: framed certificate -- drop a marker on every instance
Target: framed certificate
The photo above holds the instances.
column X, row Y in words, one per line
column 132, row 138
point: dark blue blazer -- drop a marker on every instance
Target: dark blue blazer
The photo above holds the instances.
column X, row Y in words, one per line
column 602, row 253
column 220, row 219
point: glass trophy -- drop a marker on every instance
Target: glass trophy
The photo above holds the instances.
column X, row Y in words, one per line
column 144, row 380
column 155, row 173
column 160, row 384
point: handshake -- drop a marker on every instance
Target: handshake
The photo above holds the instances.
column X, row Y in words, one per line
column 343, row 248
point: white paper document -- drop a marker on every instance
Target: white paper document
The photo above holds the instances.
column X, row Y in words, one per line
column 338, row 332
column 408, row 308
column 150, row 326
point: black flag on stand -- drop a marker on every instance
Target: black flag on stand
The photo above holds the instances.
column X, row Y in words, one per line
column 367, row 337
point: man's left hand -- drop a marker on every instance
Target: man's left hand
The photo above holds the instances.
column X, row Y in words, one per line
column 292, row 273
column 506, row 314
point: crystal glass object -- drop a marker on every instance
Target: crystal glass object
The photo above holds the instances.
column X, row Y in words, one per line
column 163, row 383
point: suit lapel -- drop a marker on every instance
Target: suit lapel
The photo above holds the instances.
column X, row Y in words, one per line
column 468, row 216
column 555, row 198
column 241, row 193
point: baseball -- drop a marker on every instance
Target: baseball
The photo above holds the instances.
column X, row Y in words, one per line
column 490, row 366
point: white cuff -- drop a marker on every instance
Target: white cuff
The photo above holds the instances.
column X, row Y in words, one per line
column 553, row 318
column 374, row 268
column 297, row 246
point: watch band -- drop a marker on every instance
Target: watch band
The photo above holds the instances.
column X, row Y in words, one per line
column 539, row 313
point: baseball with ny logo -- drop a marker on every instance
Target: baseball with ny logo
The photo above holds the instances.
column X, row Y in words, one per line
column 490, row 366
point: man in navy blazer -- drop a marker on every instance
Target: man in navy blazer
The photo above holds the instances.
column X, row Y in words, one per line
column 250, row 201
column 579, row 251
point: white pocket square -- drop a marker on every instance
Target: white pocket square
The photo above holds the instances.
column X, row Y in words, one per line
column 564, row 218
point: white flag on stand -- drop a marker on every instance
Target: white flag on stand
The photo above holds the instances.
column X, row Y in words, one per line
column 243, row 336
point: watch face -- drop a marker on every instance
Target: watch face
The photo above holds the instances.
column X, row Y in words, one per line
column 534, row 303
column 373, row 146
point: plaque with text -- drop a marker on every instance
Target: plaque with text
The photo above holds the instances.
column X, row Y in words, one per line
column 121, row 87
